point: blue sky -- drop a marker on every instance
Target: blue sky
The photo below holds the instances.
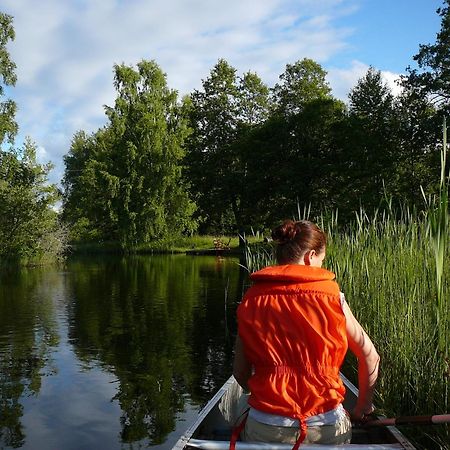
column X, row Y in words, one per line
column 65, row 50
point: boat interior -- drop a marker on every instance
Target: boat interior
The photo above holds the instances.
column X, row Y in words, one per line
column 213, row 429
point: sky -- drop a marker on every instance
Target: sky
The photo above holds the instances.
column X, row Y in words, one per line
column 65, row 50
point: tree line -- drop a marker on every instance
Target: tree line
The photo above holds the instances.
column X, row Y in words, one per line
column 30, row 229
column 237, row 155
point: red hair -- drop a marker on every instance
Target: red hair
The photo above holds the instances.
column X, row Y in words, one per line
column 294, row 239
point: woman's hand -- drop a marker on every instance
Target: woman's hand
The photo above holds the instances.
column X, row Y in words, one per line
column 360, row 414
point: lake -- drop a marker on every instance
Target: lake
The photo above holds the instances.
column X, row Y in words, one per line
column 114, row 352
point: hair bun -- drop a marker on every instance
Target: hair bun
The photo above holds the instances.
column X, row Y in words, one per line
column 286, row 232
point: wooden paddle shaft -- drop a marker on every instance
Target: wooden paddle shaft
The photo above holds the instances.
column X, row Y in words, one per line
column 410, row 420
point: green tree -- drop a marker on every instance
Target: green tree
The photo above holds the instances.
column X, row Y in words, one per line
column 8, row 126
column 432, row 77
column 222, row 114
column 300, row 83
column 213, row 119
column 148, row 132
column 369, row 144
column 89, row 188
column 419, row 137
column 130, row 172
column 28, row 223
column 301, row 147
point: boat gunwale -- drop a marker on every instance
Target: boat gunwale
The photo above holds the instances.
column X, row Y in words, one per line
column 181, row 444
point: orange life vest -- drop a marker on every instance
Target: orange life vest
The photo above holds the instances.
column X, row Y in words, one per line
column 293, row 330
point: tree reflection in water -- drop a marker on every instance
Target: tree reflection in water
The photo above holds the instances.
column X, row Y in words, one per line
column 160, row 325
column 28, row 333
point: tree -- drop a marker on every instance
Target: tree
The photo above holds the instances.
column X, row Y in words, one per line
column 130, row 172
column 89, row 188
column 432, row 77
column 221, row 116
column 148, row 133
column 300, row 83
column 28, row 223
column 370, row 146
column 419, row 137
column 213, row 119
column 372, row 98
column 253, row 100
column 8, row 126
column 301, row 143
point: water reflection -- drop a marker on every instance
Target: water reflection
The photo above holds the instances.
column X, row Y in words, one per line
column 139, row 339
column 27, row 334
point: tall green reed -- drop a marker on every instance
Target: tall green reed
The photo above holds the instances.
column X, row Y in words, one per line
column 437, row 230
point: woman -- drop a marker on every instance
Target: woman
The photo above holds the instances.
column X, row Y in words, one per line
column 294, row 328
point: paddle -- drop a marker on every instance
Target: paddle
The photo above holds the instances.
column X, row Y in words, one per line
column 409, row 420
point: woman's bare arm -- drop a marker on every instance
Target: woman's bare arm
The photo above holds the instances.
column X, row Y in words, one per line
column 368, row 363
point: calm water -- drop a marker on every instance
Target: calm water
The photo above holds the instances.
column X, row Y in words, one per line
column 113, row 353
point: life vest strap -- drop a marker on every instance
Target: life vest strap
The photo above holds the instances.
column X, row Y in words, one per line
column 237, row 429
column 301, row 436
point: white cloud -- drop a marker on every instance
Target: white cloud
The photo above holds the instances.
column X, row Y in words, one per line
column 65, row 51
column 391, row 80
column 41, row 155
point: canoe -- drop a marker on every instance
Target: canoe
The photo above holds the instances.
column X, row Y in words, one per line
column 212, row 428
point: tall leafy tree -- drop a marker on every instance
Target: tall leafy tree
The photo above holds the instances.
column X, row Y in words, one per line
column 28, row 223
column 370, row 144
column 300, row 83
column 131, row 171
column 306, row 108
column 148, row 132
column 89, row 188
column 8, row 126
column 419, row 137
column 222, row 114
column 213, row 119
column 312, row 155
column 432, row 76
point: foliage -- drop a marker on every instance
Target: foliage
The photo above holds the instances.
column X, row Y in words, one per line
column 29, row 227
column 125, row 181
column 368, row 144
column 221, row 116
column 418, row 136
column 8, row 126
column 300, row 83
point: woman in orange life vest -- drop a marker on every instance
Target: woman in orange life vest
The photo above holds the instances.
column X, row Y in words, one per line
column 294, row 328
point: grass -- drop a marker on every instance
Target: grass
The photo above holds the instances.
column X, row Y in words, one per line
column 180, row 244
